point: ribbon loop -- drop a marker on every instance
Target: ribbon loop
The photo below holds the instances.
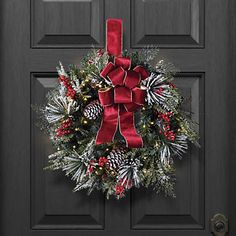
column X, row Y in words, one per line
column 107, row 69
column 132, row 79
column 122, row 95
column 106, row 97
column 140, row 69
column 117, row 76
column 138, row 96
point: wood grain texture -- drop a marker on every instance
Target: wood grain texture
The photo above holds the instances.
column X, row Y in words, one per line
column 53, row 204
column 168, row 23
column 231, row 104
column 67, row 24
column 150, row 211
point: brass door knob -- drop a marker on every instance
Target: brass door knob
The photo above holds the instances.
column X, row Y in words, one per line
column 219, row 225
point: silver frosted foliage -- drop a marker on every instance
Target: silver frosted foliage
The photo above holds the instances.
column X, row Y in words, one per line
column 165, row 98
column 129, row 172
column 59, row 107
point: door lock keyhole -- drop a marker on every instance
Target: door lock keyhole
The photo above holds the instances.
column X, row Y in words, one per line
column 219, row 226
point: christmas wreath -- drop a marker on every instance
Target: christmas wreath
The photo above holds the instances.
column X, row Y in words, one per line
column 117, row 121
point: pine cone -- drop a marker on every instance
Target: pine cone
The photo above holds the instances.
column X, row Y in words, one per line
column 116, row 157
column 93, row 110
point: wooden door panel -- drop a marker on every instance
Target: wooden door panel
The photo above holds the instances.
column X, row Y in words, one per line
column 67, row 24
column 53, row 204
column 187, row 211
column 168, row 23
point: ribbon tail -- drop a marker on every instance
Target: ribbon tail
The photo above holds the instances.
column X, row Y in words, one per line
column 109, row 125
column 128, row 130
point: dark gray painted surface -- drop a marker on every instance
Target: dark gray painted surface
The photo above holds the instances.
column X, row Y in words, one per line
column 196, row 35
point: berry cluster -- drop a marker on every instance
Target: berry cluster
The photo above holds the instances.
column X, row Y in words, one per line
column 121, row 186
column 70, row 91
column 172, row 85
column 168, row 133
column 100, row 52
column 101, row 167
column 120, row 189
column 159, row 91
column 90, row 61
column 91, row 166
column 102, row 161
column 65, row 128
column 165, row 116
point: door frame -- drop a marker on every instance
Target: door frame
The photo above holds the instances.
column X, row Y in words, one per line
column 230, row 103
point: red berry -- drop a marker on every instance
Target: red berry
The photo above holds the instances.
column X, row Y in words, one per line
column 119, row 190
column 102, row 161
column 172, row 85
column 100, row 52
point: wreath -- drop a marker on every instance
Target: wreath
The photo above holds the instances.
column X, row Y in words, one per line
column 116, row 120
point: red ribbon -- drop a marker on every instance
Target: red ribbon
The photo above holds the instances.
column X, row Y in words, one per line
column 124, row 98
column 114, row 37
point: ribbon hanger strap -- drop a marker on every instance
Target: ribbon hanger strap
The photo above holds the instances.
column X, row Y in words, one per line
column 114, row 37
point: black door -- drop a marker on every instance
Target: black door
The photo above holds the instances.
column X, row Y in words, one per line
column 198, row 36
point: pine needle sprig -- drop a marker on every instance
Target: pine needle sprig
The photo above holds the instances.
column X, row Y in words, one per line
column 59, row 107
column 159, row 92
column 129, row 172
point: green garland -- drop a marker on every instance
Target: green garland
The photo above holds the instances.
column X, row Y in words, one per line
column 112, row 167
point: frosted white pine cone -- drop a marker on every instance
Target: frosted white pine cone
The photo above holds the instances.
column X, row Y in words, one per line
column 93, row 110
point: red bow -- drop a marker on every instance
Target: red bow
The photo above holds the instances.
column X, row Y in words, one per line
column 121, row 101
